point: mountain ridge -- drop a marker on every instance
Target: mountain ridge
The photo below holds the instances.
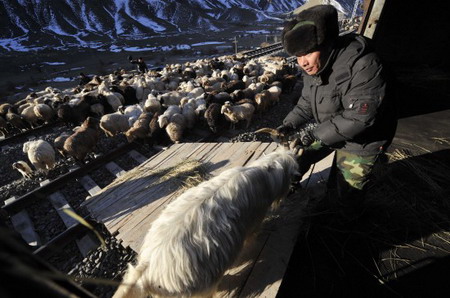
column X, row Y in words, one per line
column 41, row 23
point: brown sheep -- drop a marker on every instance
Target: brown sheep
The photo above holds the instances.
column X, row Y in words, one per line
column 140, row 128
column 83, row 140
column 16, row 120
column 59, row 141
column 156, row 132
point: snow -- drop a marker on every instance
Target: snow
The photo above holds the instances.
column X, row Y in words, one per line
column 54, row 63
column 59, row 79
column 207, row 43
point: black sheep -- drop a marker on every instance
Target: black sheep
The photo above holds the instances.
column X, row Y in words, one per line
column 75, row 114
column 215, row 119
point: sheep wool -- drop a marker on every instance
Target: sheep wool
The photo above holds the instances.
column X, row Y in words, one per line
column 41, row 154
column 199, row 235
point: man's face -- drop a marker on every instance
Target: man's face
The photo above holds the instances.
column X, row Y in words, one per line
column 310, row 62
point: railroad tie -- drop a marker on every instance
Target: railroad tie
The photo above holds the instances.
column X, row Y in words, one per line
column 24, row 226
column 59, row 202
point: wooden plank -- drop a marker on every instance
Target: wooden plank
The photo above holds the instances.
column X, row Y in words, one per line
column 314, row 179
column 89, row 185
column 137, row 156
column 223, row 161
column 272, row 258
column 114, row 169
column 152, row 210
column 86, row 243
column 243, row 154
column 263, row 149
column 141, row 195
column 24, row 226
column 152, row 163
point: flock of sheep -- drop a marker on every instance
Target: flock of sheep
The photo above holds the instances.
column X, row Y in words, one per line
column 149, row 106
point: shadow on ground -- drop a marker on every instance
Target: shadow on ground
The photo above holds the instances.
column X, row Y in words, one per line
column 398, row 247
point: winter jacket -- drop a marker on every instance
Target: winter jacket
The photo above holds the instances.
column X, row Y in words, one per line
column 348, row 100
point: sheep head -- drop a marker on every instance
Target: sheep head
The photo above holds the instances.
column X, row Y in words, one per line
column 163, row 121
column 91, row 122
column 225, row 108
column 26, row 147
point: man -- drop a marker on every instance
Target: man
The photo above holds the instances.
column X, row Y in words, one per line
column 344, row 93
column 84, row 79
column 141, row 65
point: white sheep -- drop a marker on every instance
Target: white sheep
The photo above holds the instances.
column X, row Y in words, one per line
column 164, row 119
column 199, row 235
column 44, row 112
column 170, row 98
column 28, row 115
column 41, row 154
column 152, row 104
column 196, row 92
column 267, row 98
column 237, row 113
column 131, row 110
column 115, row 100
column 114, row 123
column 188, row 111
column 23, row 168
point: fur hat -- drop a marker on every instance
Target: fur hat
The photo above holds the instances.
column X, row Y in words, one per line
column 310, row 29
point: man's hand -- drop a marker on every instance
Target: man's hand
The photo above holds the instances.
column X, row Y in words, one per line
column 302, row 140
column 307, row 137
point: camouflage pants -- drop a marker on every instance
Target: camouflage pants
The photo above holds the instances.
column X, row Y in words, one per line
column 349, row 171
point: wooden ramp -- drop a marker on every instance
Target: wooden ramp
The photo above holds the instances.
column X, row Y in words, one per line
column 128, row 206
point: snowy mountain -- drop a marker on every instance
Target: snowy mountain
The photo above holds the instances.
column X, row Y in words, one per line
column 35, row 23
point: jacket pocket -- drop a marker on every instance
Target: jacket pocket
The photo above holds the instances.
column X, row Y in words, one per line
column 328, row 105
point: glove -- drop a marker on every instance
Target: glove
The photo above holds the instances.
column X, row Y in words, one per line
column 303, row 139
column 307, row 137
column 130, row 58
column 284, row 129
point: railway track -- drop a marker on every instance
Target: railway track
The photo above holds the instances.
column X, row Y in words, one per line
column 269, row 50
column 49, row 191
column 16, row 208
column 28, row 133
